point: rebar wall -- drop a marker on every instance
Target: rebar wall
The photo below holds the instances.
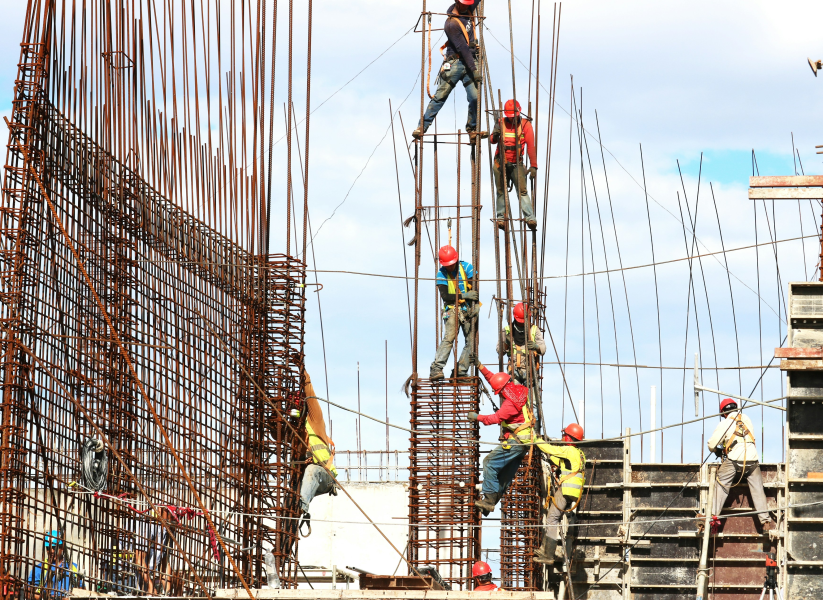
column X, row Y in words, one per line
column 141, row 305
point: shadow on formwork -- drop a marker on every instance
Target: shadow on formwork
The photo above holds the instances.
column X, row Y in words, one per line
column 129, row 321
column 444, row 529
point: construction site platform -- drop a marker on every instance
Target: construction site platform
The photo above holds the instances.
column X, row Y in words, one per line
column 240, row 593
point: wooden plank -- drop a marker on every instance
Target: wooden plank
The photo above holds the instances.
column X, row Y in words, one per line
column 786, row 181
column 801, row 365
column 798, row 352
column 787, row 193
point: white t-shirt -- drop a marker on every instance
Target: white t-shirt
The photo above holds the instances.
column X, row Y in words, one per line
column 744, row 449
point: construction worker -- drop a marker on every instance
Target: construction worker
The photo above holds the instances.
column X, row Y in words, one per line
column 518, row 363
column 482, row 575
column 453, row 277
column 461, row 63
column 734, row 442
column 55, row 574
column 515, row 131
column 568, row 465
column 152, row 552
column 320, row 475
column 501, row 464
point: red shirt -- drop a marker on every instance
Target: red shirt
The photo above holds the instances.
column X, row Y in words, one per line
column 527, row 141
column 486, row 587
column 511, row 411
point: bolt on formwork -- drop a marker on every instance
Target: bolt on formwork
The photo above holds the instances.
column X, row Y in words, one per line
column 129, row 320
column 444, row 523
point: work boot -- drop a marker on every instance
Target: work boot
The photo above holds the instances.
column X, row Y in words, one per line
column 473, row 134
column 435, row 375
column 532, row 223
column 501, row 224
column 545, row 554
column 487, row 502
column 418, row 133
column 559, row 552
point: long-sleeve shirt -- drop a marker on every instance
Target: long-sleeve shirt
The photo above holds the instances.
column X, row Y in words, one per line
column 511, row 410
column 538, row 339
column 745, row 447
column 457, row 44
column 526, row 144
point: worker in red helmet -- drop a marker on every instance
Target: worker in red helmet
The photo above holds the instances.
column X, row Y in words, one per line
column 516, row 131
column 517, row 345
column 515, row 415
column 482, row 575
column 733, row 440
column 567, row 476
column 460, row 309
column 461, row 63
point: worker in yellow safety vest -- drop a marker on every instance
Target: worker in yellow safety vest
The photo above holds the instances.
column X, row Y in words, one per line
column 522, row 345
column 460, row 309
column 319, row 477
column 568, row 475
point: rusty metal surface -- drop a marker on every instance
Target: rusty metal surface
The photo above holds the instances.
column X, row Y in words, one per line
column 443, row 477
column 134, row 310
column 520, row 535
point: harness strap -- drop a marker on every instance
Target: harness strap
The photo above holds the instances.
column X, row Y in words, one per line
column 463, row 27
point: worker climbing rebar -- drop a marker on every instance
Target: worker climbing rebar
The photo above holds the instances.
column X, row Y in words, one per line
column 501, row 464
column 517, row 346
column 460, row 310
column 734, row 442
column 461, row 63
column 516, row 132
column 568, row 476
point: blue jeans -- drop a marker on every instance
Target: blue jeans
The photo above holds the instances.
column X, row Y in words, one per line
column 500, row 466
column 502, row 190
column 448, row 81
column 450, row 323
column 316, row 481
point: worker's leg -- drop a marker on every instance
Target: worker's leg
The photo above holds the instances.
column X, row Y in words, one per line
column 450, row 325
column 726, row 476
column 519, row 376
column 525, row 201
column 448, row 79
column 755, row 481
column 469, row 326
column 555, row 516
column 316, row 481
column 471, row 96
column 500, row 186
column 500, row 467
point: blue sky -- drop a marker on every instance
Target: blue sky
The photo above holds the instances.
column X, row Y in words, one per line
column 679, row 77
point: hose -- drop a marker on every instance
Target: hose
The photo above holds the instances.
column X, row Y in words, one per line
column 94, row 463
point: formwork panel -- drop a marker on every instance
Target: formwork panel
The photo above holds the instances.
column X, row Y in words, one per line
column 444, row 471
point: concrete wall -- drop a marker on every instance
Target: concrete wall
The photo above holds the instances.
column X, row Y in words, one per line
column 355, row 544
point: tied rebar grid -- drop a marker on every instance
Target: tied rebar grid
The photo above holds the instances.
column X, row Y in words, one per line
column 444, row 523
column 520, row 534
column 186, row 304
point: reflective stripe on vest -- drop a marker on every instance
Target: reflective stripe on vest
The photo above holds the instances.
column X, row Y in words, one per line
column 571, row 482
column 520, row 351
column 452, row 282
column 320, row 451
column 510, row 138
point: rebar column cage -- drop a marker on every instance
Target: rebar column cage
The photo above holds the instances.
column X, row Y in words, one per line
column 215, row 337
column 520, row 528
column 444, row 530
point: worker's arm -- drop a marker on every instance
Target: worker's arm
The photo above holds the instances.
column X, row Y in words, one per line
column 718, row 436
column 528, row 134
column 569, row 453
column 508, row 410
column 444, row 293
column 495, row 136
column 541, row 343
column 458, row 41
column 502, row 343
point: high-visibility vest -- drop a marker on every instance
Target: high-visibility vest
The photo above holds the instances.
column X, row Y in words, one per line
column 572, row 474
column 320, row 451
column 510, row 140
column 519, row 358
column 453, row 283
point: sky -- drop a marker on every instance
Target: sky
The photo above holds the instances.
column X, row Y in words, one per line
column 700, row 85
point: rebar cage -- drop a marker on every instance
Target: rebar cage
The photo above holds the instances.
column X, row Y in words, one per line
column 128, row 320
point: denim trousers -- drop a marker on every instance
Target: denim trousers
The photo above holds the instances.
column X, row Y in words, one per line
column 500, row 466
column 448, row 81
column 316, row 482
column 502, row 190
column 450, row 324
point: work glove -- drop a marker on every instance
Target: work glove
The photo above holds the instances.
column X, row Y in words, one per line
column 476, row 77
column 530, row 345
column 718, row 452
column 532, row 173
column 473, row 295
column 472, row 416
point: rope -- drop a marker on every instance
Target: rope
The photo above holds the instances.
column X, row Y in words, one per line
column 94, row 463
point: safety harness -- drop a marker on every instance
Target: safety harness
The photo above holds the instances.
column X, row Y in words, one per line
column 453, row 283
column 463, row 27
column 740, row 431
column 518, row 354
column 569, row 479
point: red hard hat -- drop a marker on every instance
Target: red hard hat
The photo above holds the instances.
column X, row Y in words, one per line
column 498, row 381
column 574, row 430
column 509, row 109
column 466, row 2
column 726, row 402
column 447, row 256
column 480, row 568
column 519, row 312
